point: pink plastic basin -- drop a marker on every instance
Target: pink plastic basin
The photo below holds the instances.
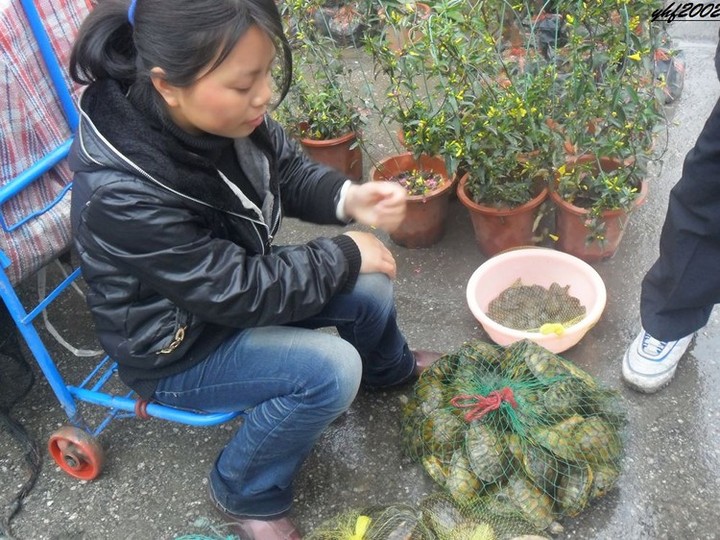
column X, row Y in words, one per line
column 536, row 266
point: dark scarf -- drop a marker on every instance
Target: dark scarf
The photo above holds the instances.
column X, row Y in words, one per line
column 179, row 160
column 220, row 151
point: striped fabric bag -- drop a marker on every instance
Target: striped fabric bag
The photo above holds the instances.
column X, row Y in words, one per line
column 32, row 124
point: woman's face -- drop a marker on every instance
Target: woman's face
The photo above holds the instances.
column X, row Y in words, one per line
column 232, row 99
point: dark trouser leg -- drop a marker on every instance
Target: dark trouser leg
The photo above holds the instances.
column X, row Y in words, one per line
column 679, row 291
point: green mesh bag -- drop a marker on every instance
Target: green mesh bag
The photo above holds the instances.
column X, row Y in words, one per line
column 436, row 517
column 515, row 431
column 449, row 520
column 398, row 522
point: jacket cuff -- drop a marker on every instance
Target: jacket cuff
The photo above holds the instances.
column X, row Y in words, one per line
column 329, row 187
column 354, row 259
column 340, row 205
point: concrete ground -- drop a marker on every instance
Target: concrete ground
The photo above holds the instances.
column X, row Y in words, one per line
column 154, row 482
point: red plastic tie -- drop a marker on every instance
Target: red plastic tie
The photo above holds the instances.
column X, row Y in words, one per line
column 481, row 405
column 141, row 409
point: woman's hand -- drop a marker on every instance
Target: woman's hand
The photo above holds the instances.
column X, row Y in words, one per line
column 375, row 256
column 377, row 204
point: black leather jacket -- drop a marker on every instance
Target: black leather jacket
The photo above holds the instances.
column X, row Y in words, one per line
column 175, row 260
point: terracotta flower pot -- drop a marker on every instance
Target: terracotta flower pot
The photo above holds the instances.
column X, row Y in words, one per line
column 574, row 237
column 498, row 229
column 456, row 177
column 337, row 153
column 424, row 223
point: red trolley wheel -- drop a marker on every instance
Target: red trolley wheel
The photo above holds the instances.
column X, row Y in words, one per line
column 77, row 452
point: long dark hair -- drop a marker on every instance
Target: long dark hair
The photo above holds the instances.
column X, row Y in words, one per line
column 182, row 37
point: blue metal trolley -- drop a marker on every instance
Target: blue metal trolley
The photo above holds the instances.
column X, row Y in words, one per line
column 74, row 447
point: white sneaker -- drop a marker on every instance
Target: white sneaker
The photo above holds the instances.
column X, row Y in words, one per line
column 649, row 364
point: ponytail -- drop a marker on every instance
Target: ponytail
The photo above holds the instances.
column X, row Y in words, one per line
column 104, row 48
column 124, row 40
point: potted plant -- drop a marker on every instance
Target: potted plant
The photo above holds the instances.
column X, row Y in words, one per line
column 614, row 111
column 414, row 114
column 529, row 79
column 504, row 144
column 320, row 109
column 456, row 92
column 407, row 99
column 428, row 186
column 402, row 21
column 603, row 178
column 594, row 198
column 343, row 21
column 326, row 124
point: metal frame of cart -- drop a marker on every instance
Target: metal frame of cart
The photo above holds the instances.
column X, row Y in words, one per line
column 75, row 447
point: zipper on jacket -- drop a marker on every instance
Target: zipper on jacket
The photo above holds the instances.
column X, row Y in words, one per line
column 142, row 172
column 175, row 343
column 248, row 204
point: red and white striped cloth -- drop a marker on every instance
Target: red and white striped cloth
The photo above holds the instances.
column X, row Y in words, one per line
column 31, row 125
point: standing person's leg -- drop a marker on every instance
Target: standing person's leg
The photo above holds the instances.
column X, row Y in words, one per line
column 679, row 291
column 293, row 382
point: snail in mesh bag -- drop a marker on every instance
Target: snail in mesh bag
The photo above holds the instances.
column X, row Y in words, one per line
column 517, row 431
column 448, row 520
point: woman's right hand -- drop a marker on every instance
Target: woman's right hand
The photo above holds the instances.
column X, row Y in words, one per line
column 375, row 256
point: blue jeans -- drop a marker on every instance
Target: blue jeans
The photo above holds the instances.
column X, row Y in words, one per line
column 293, row 382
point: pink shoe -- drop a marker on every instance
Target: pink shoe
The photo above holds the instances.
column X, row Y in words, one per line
column 424, row 359
column 257, row 529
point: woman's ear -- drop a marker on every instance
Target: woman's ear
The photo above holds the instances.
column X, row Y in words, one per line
column 168, row 92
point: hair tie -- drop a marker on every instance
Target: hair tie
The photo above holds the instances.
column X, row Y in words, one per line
column 131, row 12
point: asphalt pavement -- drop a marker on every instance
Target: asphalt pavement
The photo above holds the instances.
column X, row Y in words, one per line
column 154, row 482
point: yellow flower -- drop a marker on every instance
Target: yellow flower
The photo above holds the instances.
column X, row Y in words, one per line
column 569, row 18
column 635, row 57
